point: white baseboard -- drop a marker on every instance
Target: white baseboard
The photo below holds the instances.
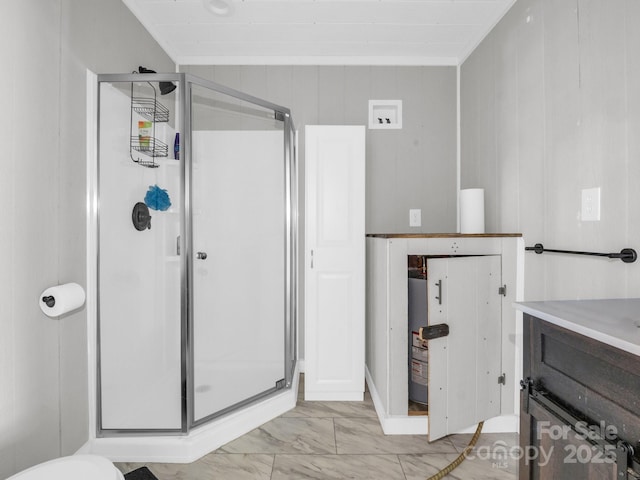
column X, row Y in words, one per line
column 395, row 424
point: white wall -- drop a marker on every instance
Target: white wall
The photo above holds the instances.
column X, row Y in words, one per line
column 29, row 369
column 46, row 47
column 550, row 105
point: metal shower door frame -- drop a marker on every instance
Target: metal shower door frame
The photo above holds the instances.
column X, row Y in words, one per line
column 183, row 124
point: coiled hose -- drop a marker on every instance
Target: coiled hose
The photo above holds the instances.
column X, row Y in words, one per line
column 453, row 465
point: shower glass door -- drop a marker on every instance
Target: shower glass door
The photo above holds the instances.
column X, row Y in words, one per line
column 240, row 249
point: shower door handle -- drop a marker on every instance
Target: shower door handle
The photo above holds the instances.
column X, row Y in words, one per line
column 201, row 255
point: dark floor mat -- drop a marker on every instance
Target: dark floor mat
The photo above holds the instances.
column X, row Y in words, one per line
column 142, row 473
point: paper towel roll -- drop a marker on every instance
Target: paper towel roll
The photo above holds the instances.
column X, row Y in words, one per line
column 56, row 301
column 472, row 210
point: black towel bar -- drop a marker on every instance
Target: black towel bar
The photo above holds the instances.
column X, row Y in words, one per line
column 627, row 255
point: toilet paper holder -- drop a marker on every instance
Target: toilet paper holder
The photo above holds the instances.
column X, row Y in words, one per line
column 49, row 300
column 61, row 299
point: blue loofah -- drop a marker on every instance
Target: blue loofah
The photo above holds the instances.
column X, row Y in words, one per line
column 157, row 199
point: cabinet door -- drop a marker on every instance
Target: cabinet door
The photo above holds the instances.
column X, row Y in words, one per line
column 554, row 450
column 465, row 365
column 335, row 263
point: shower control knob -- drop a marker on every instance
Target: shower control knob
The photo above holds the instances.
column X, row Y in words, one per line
column 201, row 255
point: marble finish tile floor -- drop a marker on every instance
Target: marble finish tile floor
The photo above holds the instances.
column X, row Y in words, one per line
column 340, row 441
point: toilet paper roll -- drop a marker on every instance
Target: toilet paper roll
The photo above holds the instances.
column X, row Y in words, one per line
column 472, row 210
column 56, row 301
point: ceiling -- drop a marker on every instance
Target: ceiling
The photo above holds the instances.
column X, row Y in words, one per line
column 319, row 32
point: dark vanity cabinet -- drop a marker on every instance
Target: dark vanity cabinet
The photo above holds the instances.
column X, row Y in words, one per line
column 580, row 406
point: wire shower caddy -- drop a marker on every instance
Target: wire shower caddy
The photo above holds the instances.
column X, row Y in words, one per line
column 152, row 148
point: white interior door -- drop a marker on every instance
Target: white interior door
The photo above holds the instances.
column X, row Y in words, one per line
column 335, row 262
column 465, row 365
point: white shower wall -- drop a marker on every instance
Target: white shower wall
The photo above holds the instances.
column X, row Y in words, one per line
column 139, row 279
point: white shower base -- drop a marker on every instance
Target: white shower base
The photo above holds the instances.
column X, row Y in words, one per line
column 201, row 440
column 217, row 388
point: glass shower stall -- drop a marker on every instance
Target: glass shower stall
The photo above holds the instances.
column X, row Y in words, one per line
column 196, row 252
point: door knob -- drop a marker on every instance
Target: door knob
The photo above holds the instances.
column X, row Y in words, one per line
column 201, row 255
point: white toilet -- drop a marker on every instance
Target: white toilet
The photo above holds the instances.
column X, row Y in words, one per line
column 75, row 467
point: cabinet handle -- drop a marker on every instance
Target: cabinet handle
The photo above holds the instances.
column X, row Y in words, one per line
column 439, row 297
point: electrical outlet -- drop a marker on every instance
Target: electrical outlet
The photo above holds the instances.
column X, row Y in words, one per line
column 591, row 204
column 415, row 217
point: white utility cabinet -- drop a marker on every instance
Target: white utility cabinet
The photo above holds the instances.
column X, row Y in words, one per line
column 334, row 262
column 472, row 282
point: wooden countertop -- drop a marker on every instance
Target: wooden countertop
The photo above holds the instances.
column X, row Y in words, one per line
column 442, row 235
column 615, row 322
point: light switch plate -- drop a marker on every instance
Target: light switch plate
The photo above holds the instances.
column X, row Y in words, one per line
column 415, row 217
column 590, row 204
